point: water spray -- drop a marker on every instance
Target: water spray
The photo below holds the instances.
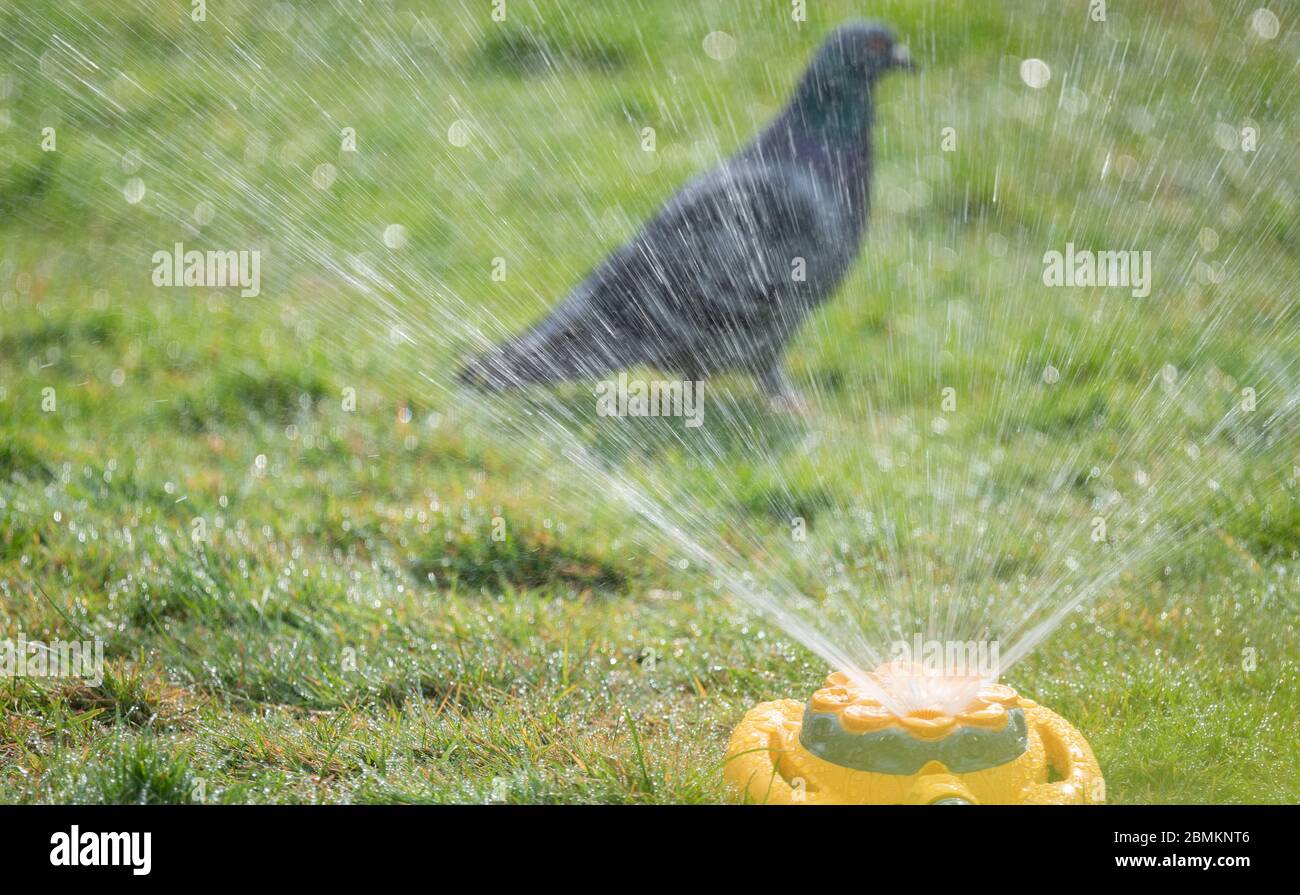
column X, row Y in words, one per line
column 892, row 737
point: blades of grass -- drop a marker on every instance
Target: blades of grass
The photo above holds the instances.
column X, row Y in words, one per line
column 640, row 754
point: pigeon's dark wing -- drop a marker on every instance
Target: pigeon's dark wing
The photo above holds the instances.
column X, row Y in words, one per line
column 719, row 276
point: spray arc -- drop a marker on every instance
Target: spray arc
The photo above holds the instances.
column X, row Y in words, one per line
column 846, row 747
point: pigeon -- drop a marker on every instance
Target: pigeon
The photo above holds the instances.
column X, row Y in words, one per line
column 723, row 276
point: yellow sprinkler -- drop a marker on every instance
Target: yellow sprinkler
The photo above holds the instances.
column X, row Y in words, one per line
column 845, row 748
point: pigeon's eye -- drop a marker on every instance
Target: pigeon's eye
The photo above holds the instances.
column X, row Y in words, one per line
column 878, row 45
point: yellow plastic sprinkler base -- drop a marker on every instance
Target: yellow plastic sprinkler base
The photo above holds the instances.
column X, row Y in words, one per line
column 1003, row 749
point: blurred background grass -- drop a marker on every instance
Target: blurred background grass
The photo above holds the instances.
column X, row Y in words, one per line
column 345, row 629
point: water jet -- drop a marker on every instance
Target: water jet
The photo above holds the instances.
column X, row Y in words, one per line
column 868, row 740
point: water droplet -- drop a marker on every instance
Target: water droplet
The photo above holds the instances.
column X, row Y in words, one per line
column 323, row 176
column 719, row 45
column 1035, row 73
column 1225, row 135
column 1264, row 23
column 134, row 190
column 395, row 236
column 1074, row 101
column 459, row 132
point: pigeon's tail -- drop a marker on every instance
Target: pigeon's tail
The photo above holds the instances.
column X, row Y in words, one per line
column 504, row 368
column 547, row 354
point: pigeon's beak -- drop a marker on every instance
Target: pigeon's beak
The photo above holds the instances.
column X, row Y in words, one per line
column 901, row 58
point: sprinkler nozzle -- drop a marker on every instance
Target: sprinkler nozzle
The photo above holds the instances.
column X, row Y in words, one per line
column 844, row 746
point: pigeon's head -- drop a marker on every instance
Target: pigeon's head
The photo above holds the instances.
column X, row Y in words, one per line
column 835, row 94
column 858, row 53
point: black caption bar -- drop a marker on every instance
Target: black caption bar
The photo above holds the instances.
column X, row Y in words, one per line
column 298, row 845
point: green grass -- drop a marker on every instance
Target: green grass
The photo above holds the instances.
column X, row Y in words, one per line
column 337, row 623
